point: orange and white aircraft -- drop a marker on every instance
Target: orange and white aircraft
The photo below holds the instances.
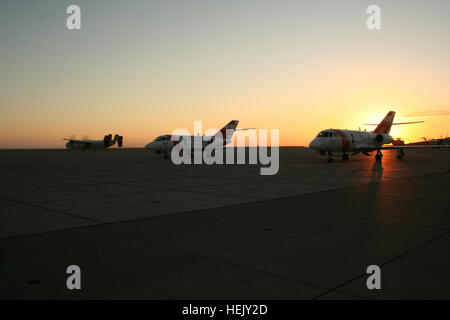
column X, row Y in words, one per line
column 165, row 143
column 84, row 145
column 352, row 142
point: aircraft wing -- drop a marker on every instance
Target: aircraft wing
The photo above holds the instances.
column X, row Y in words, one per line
column 79, row 141
column 368, row 148
column 428, row 146
column 394, row 124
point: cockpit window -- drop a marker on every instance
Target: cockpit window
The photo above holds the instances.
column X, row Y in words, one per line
column 326, row 134
column 163, row 138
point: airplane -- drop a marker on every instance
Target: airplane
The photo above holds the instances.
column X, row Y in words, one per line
column 165, row 143
column 94, row 145
column 437, row 141
column 352, row 142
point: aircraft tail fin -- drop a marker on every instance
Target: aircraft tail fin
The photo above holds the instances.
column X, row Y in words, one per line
column 226, row 133
column 119, row 140
column 385, row 125
column 107, row 140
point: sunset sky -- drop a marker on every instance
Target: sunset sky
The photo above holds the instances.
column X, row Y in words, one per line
column 145, row 68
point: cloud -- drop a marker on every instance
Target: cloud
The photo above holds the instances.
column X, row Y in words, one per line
column 434, row 113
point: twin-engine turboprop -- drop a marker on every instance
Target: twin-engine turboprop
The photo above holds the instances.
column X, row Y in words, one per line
column 352, row 142
column 94, row 145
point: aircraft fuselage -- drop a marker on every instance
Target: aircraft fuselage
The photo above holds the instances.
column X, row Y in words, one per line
column 337, row 140
column 166, row 142
column 91, row 145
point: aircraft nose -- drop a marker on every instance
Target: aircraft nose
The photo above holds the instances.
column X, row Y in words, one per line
column 314, row 144
column 150, row 145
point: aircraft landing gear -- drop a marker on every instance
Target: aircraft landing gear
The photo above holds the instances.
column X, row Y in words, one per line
column 330, row 157
column 345, row 156
column 400, row 153
column 378, row 156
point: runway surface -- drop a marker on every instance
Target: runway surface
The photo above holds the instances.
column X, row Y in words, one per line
column 140, row 227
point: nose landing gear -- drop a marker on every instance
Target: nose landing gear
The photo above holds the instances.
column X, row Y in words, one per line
column 400, row 153
column 329, row 157
column 378, row 156
column 345, row 156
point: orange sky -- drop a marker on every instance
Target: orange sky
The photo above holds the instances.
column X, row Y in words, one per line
column 146, row 69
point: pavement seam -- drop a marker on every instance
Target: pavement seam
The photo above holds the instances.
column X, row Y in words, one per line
column 214, row 259
column 51, row 210
column 201, row 210
column 397, row 257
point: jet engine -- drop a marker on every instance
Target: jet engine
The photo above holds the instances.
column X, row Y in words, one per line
column 379, row 138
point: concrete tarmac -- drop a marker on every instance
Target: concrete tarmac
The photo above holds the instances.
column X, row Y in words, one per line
column 140, row 227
